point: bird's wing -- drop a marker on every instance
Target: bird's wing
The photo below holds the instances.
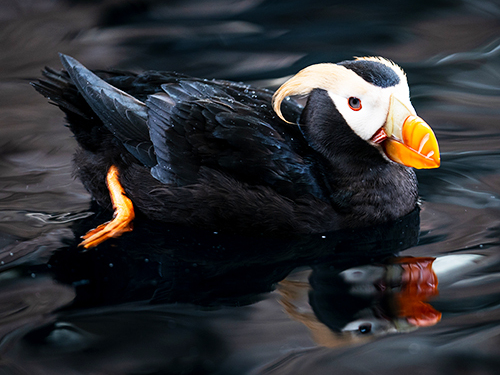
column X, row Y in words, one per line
column 228, row 127
column 124, row 115
column 197, row 123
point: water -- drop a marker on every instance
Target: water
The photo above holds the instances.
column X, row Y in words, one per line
column 172, row 300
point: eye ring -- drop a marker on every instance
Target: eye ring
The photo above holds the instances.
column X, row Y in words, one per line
column 354, row 103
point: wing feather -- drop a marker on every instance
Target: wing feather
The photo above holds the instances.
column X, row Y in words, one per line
column 207, row 127
column 124, row 115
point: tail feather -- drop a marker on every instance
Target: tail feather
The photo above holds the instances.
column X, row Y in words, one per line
column 124, row 115
column 60, row 90
column 97, row 112
column 58, row 87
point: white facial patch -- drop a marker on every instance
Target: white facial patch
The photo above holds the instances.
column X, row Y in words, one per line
column 341, row 84
column 375, row 103
column 366, row 121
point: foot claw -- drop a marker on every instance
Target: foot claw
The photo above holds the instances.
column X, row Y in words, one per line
column 93, row 231
column 104, row 231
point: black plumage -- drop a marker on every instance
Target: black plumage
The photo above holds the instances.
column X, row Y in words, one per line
column 214, row 154
column 374, row 72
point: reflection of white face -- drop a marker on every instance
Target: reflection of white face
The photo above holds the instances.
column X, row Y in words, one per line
column 361, row 281
column 369, row 325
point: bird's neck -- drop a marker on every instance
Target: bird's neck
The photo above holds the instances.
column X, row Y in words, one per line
column 353, row 175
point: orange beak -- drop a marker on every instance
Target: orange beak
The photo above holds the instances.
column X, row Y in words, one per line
column 410, row 141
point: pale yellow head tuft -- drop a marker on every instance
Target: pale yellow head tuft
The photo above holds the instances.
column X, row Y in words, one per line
column 327, row 76
column 323, row 76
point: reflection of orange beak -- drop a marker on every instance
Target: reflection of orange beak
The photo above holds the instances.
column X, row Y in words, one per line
column 419, row 284
column 407, row 139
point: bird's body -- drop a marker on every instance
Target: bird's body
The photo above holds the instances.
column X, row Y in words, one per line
column 216, row 155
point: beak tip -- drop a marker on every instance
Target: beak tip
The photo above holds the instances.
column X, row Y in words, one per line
column 418, row 148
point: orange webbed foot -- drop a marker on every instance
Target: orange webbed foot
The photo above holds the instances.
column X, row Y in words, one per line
column 122, row 218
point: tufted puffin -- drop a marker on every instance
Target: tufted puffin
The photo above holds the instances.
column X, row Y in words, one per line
column 230, row 157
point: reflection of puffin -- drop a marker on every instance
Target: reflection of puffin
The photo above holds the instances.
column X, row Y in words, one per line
column 214, row 154
column 357, row 304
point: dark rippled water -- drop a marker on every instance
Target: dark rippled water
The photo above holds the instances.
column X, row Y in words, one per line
column 167, row 300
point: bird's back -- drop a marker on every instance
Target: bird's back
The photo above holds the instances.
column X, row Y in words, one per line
column 192, row 123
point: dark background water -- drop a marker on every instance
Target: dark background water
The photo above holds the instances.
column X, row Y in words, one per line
column 170, row 300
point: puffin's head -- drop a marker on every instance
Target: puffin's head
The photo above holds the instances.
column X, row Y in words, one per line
column 372, row 96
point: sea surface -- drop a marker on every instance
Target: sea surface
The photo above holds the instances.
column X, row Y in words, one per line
column 417, row 296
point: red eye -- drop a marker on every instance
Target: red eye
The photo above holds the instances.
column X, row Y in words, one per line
column 354, row 103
